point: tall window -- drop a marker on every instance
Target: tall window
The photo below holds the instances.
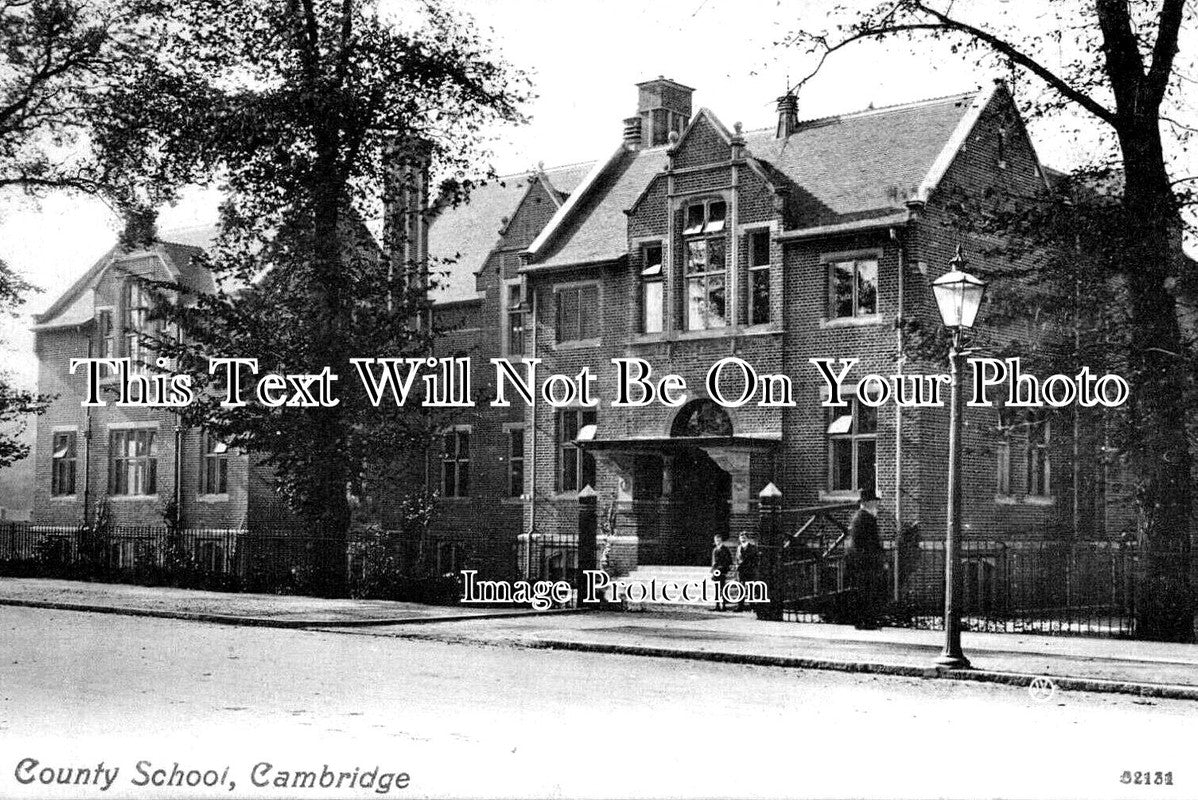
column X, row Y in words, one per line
column 652, row 289
column 455, row 464
column 576, row 468
column 706, row 255
column 1038, row 467
column 133, row 462
column 515, row 462
column 852, row 448
column 854, row 288
column 577, row 312
column 515, row 318
column 1002, row 482
column 105, row 331
column 62, row 464
column 214, row 472
column 759, row 277
column 137, row 320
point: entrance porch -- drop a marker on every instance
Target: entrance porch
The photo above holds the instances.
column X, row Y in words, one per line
column 675, row 494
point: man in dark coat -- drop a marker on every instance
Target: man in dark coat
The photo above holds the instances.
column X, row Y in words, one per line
column 863, row 562
column 748, row 556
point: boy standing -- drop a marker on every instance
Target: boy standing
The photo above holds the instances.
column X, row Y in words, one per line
column 721, row 565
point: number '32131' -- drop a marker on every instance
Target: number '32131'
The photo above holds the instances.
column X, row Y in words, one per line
column 1147, row 778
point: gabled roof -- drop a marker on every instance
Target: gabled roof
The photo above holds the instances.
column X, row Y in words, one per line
column 592, row 226
column 838, row 170
column 467, row 234
column 75, row 306
column 869, row 163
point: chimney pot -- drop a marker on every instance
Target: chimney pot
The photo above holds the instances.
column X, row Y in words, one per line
column 632, row 133
column 788, row 115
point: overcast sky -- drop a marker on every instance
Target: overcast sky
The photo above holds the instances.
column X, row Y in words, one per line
column 584, row 58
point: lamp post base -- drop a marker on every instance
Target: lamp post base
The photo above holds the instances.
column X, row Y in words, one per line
column 952, row 661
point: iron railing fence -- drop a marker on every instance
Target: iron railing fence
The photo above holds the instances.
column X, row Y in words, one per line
column 1007, row 586
column 281, row 559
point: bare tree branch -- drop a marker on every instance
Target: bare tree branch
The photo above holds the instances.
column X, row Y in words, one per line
column 1165, row 50
column 1021, row 58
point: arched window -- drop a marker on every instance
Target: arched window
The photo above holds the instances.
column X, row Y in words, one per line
column 702, row 418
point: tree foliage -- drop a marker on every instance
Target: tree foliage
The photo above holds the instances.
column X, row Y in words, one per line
column 303, row 113
column 54, row 56
column 1115, row 268
column 16, row 404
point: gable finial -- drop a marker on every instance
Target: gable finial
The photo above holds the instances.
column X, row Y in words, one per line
column 959, row 261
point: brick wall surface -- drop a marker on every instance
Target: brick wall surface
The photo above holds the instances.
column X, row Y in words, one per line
column 800, row 328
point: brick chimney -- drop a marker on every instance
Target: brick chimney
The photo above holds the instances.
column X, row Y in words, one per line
column 663, row 106
column 788, row 115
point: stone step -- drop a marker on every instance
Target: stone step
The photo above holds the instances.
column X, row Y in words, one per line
column 647, row 574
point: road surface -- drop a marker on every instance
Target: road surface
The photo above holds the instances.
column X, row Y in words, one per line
column 77, row 689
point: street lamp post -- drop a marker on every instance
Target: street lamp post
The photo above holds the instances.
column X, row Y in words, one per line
column 958, row 296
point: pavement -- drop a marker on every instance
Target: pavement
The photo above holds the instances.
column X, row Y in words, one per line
column 231, row 608
column 464, row 720
column 1148, row 669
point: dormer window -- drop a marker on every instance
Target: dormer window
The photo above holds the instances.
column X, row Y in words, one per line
column 705, row 251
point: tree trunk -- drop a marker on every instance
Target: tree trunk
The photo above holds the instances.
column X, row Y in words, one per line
column 327, row 504
column 1161, row 457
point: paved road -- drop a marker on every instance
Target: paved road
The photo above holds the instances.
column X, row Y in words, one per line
column 77, row 689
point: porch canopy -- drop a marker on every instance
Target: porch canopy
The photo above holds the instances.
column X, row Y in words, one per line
column 735, row 455
column 673, row 444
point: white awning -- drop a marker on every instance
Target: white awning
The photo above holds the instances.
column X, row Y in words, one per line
column 842, row 424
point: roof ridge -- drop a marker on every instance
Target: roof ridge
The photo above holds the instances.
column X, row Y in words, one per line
column 865, row 112
column 534, row 170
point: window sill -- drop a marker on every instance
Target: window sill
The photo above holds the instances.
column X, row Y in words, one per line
column 1042, row 501
column 707, row 333
column 576, row 344
column 844, row 496
column 651, row 338
column 871, row 320
column 764, row 329
column 213, row 498
column 132, row 498
column 64, row 498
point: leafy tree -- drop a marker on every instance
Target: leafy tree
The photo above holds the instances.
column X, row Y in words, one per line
column 1114, row 61
column 15, row 403
column 54, row 57
column 54, row 54
column 312, row 116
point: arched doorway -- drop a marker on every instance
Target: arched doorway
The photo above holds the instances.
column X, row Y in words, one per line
column 700, row 501
column 700, row 490
column 701, row 418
